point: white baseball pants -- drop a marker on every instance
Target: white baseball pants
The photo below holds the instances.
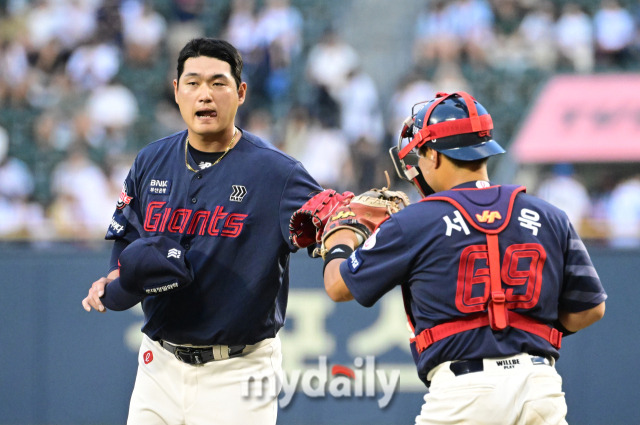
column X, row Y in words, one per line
column 238, row 390
column 511, row 392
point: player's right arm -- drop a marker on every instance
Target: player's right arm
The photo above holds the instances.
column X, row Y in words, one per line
column 92, row 300
column 333, row 281
column 122, row 234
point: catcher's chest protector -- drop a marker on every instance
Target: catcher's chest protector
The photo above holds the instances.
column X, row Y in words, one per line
column 488, row 211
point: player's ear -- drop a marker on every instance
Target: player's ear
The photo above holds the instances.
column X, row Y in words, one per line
column 435, row 157
column 242, row 92
column 175, row 90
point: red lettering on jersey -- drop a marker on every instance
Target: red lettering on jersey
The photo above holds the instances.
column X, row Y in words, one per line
column 522, row 268
column 521, row 271
column 183, row 220
column 199, row 216
column 473, row 272
column 217, row 215
column 165, row 217
column 233, row 225
column 179, row 220
column 151, row 218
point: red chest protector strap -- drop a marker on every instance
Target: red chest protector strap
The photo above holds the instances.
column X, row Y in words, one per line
column 498, row 317
column 515, row 320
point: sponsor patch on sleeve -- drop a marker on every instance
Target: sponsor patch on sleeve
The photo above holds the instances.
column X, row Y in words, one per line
column 355, row 261
column 117, row 226
column 159, row 186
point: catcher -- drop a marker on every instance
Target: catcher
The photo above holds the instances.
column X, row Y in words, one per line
column 491, row 277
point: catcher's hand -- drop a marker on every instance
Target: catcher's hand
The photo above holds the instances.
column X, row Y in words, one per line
column 364, row 213
column 307, row 224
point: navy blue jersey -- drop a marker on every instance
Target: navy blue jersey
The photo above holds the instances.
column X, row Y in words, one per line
column 233, row 218
column 431, row 249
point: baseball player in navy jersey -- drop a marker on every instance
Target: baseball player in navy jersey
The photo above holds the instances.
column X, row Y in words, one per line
column 491, row 277
column 225, row 197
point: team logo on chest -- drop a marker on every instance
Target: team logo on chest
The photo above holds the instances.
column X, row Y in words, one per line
column 159, row 187
column 237, row 193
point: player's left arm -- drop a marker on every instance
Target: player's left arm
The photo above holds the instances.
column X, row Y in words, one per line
column 573, row 322
column 582, row 302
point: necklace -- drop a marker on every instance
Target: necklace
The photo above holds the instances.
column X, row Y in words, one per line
column 186, row 150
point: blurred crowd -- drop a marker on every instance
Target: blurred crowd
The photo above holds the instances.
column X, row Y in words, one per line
column 84, row 84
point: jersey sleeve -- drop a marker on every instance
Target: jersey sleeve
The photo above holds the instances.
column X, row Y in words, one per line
column 299, row 187
column 127, row 215
column 118, row 246
column 582, row 288
column 378, row 265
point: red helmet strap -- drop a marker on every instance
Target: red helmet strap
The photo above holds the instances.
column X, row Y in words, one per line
column 473, row 124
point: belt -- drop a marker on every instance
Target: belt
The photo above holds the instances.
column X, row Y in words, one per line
column 463, row 367
column 201, row 355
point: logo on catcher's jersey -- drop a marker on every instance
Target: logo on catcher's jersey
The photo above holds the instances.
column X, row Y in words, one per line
column 371, row 241
column 488, row 216
column 124, row 199
column 237, row 192
column 174, row 252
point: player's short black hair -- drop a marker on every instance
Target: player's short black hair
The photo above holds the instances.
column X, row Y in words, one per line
column 213, row 48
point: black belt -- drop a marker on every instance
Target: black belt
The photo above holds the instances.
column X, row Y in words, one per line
column 202, row 355
column 463, row 367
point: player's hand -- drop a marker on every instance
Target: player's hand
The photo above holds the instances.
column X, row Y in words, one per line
column 361, row 216
column 92, row 300
column 307, row 223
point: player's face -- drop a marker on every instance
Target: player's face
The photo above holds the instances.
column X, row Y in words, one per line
column 208, row 98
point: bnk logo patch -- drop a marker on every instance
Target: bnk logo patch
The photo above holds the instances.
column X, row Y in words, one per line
column 159, row 187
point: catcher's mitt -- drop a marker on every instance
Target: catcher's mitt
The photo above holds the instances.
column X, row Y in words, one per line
column 307, row 224
column 364, row 213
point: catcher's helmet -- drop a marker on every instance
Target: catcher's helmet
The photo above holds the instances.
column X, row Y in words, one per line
column 455, row 125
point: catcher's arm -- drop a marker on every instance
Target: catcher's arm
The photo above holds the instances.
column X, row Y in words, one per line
column 348, row 227
column 333, row 282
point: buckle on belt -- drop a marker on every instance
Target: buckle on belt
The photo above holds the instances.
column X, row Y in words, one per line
column 236, row 350
column 189, row 355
